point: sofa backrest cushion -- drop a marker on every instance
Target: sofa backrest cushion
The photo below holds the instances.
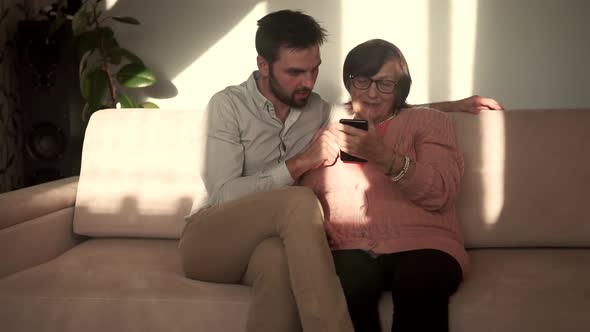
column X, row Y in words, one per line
column 527, row 178
column 140, row 172
column 526, row 182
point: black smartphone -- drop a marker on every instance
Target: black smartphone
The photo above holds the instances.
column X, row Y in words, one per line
column 360, row 124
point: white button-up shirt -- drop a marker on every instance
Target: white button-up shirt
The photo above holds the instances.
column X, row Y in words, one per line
column 247, row 145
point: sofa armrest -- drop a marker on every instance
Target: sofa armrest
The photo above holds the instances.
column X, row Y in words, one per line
column 36, row 224
column 36, row 201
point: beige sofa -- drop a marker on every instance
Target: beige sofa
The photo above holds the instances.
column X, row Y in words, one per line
column 98, row 253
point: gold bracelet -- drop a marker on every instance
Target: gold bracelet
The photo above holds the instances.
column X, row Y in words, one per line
column 404, row 170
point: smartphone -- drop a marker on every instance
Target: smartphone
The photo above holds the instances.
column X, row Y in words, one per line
column 360, row 124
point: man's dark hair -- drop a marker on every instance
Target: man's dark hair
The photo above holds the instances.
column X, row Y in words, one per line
column 366, row 59
column 288, row 28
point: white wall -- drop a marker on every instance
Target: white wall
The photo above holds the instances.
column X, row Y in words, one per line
column 525, row 53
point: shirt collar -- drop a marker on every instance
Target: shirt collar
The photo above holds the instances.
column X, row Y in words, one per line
column 260, row 101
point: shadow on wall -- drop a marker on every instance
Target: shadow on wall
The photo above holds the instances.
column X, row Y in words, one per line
column 173, row 35
column 525, row 178
column 531, row 55
column 131, row 219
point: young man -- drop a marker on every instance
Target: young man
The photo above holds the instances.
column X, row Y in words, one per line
column 258, row 229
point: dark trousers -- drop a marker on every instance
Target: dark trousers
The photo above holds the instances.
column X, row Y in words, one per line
column 421, row 282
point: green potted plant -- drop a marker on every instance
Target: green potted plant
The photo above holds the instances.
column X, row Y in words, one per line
column 106, row 69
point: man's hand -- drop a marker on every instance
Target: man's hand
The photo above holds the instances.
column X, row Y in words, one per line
column 473, row 104
column 322, row 152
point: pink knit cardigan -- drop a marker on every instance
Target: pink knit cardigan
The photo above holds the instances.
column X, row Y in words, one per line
column 364, row 209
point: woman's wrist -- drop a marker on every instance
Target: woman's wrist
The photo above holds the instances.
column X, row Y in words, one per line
column 399, row 167
column 391, row 164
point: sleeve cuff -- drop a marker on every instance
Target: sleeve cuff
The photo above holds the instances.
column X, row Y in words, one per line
column 281, row 175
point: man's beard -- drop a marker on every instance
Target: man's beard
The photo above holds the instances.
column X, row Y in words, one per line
column 283, row 97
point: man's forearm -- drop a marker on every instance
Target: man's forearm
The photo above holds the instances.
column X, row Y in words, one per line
column 297, row 167
column 473, row 104
column 274, row 178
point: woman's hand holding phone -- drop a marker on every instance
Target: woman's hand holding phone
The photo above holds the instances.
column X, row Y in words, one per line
column 359, row 142
column 359, row 124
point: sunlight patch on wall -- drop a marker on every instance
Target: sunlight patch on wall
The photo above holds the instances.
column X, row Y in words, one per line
column 109, row 4
column 463, row 33
column 223, row 62
column 404, row 23
column 493, row 151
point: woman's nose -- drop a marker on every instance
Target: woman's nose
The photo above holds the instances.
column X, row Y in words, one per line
column 372, row 90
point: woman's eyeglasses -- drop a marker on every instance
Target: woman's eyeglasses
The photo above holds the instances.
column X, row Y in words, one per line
column 363, row 83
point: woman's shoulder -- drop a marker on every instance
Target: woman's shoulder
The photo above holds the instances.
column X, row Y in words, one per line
column 423, row 111
column 422, row 119
column 424, row 115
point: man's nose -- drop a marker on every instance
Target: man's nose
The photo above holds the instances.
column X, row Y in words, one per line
column 308, row 80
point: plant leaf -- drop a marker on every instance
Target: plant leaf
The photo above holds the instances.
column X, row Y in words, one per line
column 126, row 19
column 115, row 57
column 94, row 85
column 117, row 54
column 88, row 41
column 135, row 75
column 106, row 39
column 106, row 32
column 148, row 104
column 87, row 111
column 126, row 101
column 123, row 52
column 80, row 21
column 83, row 64
column 56, row 24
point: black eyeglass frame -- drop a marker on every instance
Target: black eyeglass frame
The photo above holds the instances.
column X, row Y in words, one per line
column 378, row 83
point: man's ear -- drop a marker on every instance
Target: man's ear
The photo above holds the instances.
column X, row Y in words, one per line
column 263, row 66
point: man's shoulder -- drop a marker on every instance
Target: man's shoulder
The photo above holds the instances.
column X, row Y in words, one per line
column 232, row 91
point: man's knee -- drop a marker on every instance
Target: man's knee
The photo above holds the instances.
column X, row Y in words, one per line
column 269, row 263
column 303, row 202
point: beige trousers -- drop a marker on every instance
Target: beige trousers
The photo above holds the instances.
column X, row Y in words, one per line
column 274, row 241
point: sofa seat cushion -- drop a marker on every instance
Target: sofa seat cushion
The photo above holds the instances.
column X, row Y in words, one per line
column 515, row 290
column 541, row 290
column 118, row 285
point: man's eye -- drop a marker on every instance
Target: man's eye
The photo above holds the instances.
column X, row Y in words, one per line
column 388, row 83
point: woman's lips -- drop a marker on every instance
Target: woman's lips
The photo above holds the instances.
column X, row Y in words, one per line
column 370, row 104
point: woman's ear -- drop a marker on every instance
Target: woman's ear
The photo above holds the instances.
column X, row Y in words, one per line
column 263, row 66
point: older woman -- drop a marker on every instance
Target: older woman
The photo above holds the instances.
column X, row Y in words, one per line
column 391, row 221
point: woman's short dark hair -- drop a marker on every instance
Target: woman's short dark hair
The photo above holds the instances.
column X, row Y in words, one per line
column 288, row 28
column 366, row 59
